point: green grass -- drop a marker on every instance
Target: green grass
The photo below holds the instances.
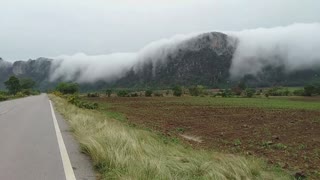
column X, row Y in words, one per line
column 269, row 103
column 119, row 151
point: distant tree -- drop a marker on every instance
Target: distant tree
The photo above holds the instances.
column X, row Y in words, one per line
column 177, row 91
column 298, row 92
column 13, row 85
column 108, row 92
column 67, row 88
column 242, row 85
column 122, row 93
column 196, row 90
column 226, row 93
column 27, row 83
column 148, row 93
column 250, row 92
column 309, row 90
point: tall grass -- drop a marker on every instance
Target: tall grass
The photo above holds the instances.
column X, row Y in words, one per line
column 122, row 152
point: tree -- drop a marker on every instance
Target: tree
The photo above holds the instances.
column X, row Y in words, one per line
column 242, row 85
column 67, row 88
column 148, row 93
column 108, row 92
column 13, row 85
column 122, row 93
column 196, row 90
column 27, row 83
column 309, row 90
column 177, row 91
column 250, row 92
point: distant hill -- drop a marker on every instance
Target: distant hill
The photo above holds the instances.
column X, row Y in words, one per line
column 205, row 60
column 38, row 70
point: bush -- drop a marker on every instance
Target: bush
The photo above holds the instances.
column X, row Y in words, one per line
column 196, row 90
column 75, row 100
column 108, row 92
column 20, row 94
column 158, row 94
column 122, row 93
column 226, row 93
column 298, row 92
column 134, row 94
column 148, row 93
column 309, row 90
column 3, row 98
column 278, row 91
column 67, row 88
column 177, row 91
column 3, row 93
column 93, row 95
column 250, row 92
column 26, row 92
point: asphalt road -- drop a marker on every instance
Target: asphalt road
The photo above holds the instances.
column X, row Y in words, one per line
column 29, row 145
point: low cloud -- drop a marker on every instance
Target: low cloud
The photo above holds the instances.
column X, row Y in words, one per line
column 295, row 47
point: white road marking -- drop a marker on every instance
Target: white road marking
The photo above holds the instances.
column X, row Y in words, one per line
column 63, row 151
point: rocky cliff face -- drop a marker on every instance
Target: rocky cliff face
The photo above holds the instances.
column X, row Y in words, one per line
column 38, row 70
column 205, row 59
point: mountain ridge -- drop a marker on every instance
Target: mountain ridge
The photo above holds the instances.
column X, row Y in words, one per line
column 204, row 59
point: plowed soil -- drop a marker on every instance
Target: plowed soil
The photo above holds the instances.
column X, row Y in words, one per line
column 286, row 138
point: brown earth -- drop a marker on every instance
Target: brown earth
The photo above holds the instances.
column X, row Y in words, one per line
column 286, row 138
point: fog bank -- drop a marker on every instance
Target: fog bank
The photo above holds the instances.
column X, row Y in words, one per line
column 296, row 47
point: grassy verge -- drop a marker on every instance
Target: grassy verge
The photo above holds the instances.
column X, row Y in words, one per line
column 122, row 152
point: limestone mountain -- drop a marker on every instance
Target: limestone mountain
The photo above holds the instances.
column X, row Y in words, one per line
column 202, row 60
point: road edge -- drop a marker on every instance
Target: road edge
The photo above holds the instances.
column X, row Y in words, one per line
column 68, row 170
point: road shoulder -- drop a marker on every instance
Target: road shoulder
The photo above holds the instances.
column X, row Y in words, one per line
column 81, row 163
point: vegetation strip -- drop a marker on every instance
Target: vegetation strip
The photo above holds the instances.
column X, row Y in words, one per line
column 122, row 152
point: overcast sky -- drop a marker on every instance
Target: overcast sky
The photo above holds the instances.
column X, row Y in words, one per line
column 49, row 28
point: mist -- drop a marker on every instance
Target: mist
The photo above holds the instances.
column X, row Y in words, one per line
column 295, row 47
column 84, row 68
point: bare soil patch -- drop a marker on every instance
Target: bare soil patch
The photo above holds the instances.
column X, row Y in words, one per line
column 286, row 138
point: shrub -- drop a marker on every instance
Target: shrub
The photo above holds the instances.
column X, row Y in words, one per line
column 108, row 92
column 298, row 92
column 67, row 88
column 148, row 93
column 122, row 93
column 250, row 92
column 13, row 85
column 75, row 100
column 196, row 90
column 20, row 94
column 3, row 98
column 158, row 94
column 134, row 94
column 177, row 91
column 309, row 90
column 3, row 93
column 226, row 93
column 278, row 91
column 26, row 92
column 93, row 94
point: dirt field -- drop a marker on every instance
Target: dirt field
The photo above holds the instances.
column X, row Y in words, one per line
column 285, row 138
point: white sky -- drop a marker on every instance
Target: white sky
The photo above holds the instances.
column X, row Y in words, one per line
column 34, row 28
